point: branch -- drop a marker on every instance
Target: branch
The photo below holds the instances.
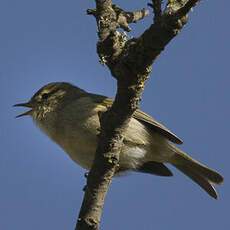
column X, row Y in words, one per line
column 125, row 18
column 140, row 53
column 156, row 6
column 129, row 61
column 186, row 8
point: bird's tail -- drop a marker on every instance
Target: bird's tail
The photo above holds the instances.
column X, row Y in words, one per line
column 205, row 177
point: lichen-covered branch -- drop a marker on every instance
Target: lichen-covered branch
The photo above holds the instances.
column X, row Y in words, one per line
column 124, row 18
column 186, row 8
column 129, row 61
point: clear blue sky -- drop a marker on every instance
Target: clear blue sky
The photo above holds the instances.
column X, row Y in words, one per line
column 189, row 91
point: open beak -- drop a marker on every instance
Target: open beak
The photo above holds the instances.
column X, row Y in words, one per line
column 28, row 105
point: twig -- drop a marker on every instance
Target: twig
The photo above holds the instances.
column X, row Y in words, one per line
column 186, row 8
column 125, row 18
column 156, row 6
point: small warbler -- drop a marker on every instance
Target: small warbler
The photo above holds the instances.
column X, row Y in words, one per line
column 69, row 116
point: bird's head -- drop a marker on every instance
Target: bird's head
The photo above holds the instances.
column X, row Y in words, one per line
column 49, row 98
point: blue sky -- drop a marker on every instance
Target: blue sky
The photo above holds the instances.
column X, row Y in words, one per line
column 41, row 188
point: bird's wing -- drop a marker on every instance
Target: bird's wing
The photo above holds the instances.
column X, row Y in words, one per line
column 151, row 123
column 144, row 118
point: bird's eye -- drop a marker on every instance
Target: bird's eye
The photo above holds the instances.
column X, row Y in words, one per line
column 45, row 96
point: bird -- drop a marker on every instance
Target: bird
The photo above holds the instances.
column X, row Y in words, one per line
column 69, row 116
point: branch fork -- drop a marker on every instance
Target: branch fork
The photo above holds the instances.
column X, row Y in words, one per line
column 123, row 18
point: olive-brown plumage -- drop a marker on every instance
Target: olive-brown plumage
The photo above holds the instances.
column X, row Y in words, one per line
column 69, row 116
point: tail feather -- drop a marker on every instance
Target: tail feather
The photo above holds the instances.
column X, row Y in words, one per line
column 199, row 173
column 200, row 180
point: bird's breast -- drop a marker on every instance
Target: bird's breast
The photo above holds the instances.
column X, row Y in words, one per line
column 79, row 140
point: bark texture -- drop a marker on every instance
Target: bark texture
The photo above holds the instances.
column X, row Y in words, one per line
column 130, row 61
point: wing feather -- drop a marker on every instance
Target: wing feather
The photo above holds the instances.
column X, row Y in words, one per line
column 151, row 123
column 144, row 118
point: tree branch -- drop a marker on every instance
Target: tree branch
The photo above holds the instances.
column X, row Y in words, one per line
column 124, row 18
column 156, row 6
column 129, row 61
column 186, row 8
